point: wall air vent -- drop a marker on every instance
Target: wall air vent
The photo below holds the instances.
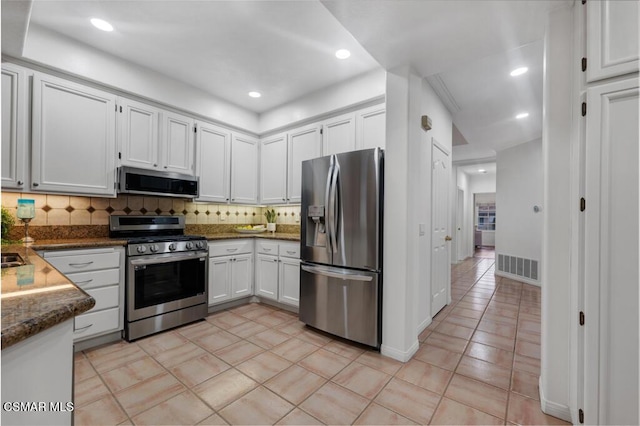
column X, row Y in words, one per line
column 518, row 266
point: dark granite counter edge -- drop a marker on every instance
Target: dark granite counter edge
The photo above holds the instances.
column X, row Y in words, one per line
column 20, row 331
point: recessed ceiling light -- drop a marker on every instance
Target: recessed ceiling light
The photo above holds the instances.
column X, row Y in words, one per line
column 522, row 115
column 519, row 71
column 482, row 171
column 101, row 24
column 343, row 54
column 255, row 94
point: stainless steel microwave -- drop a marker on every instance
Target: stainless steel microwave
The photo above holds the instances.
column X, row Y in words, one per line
column 150, row 182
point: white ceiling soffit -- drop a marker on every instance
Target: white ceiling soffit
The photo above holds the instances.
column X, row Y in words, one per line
column 15, row 21
column 437, row 35
column 283, row 49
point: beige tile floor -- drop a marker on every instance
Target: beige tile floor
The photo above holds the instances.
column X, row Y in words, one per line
column 478, row 363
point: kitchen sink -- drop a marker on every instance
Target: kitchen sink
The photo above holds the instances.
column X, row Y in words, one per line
column 10, row 260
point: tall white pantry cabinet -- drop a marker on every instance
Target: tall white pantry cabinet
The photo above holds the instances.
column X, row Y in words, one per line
column 611, row 234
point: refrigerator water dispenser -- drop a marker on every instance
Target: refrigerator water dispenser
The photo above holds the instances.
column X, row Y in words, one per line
column 316, row 230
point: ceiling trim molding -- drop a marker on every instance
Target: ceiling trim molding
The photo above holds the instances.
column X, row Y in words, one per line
column 475, row 161
column 443, row 93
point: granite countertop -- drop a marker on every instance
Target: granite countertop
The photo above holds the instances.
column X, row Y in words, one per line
column 36, row 297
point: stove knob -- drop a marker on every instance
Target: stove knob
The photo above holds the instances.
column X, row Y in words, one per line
column 172, row 246
column 200, row 244
column 141, row 249
column 189, row 245
column 154, row 248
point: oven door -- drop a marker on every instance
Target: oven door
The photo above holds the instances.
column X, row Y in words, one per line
column 162, row 283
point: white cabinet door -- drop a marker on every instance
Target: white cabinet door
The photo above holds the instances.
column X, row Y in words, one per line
column 219, row 279
column 339, row 134
column 267, row 276
column 304, row 144
column 244, row 169
column 213, row 162
column 273, row 169
column 611, row 379
column 242, row 275
column 289, row 281
column 138, row 126
column 177, row 143
column 14, row 129
column 370, row 127
column 612, row 38
column 73, row 144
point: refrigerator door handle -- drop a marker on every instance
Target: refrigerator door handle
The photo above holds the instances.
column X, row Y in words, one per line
column 327, row 198
column 333, row 220
column 334, row 274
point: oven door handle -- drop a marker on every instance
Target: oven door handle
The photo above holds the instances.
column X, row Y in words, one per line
column 153, row 260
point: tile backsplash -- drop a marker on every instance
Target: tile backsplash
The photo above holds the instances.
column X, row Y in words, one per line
column 71, row 210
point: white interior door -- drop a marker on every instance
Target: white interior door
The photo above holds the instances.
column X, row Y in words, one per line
column 460, row 255
column 440, row 269
column 611, row 378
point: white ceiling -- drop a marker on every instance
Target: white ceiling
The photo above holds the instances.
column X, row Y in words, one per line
column 285, row 49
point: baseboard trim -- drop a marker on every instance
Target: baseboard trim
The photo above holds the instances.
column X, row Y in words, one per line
column 554, row 409
column 402, row 356
column 517, row 278
column 424, row 324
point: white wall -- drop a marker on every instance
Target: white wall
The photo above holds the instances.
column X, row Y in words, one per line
column 558, row 104
column 407, row 255
column 355, row 91
column 474, row 184
column 518, row 189
column 69, row 56
column 465, row 245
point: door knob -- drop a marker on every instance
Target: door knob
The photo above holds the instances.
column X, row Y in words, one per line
column 447, row 238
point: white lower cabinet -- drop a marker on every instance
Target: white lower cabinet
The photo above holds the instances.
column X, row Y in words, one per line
column 100, row 273
column 278, row 271
column 230, row 270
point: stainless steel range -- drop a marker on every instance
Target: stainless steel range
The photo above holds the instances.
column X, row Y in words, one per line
column 167, row 273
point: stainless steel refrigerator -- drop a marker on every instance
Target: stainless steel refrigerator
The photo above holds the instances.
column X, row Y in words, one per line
column 341, row 245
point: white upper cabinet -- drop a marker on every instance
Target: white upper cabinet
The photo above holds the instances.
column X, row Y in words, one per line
column 155, row 139
column 273, row 169
column 177, row 143
column 304, row 144
column 371, row 127
column 138, row 126
column 213, row 162
column 244, row 169
column 613, row 45
column 73, row 138
column 14, row 126
column 339, row 134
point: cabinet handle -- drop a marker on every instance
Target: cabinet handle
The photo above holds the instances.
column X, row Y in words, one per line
column 232, row 249
column 155, row 165
column 284, row 199
column 266, row 249
column 275, row 260
column 165, row 167
column 84, row 282
column 78, row 265
column 20, row 183
column 36, row 184
column 291, row 252
column 78, row 330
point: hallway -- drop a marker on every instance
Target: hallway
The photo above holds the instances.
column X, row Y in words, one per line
column 478, row 363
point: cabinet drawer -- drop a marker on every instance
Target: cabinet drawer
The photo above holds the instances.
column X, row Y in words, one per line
column 106, row 297
column 267, row 247
column 83, row 262
column 93, row 279
column 230, row 248
column 93, row 323
column 290, row 250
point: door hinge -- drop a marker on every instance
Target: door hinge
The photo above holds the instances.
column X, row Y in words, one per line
column 583, row 204
column 120, row 156
column 195, row 129
column 321, row 131
column 120, row 108
column 580, row 411
column 584, row 64
column 584, row 1
column 584, row 109
column 581, row 319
